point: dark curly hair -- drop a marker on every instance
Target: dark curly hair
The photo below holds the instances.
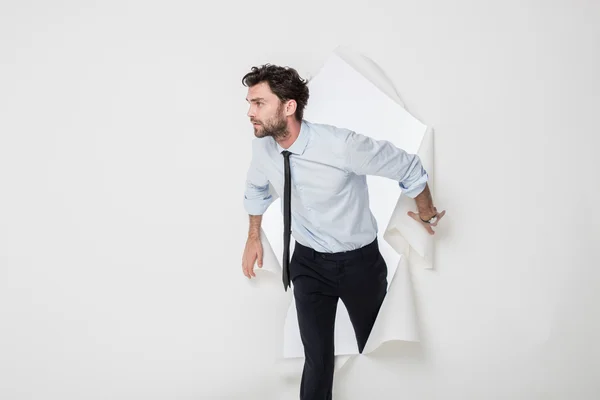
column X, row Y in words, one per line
column 285, row 83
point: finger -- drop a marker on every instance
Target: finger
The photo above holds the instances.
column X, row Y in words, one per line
column 260, row 259
column 440, row 215
column 414, row 216
column 429, row 229
column 251, row 266
column 245, row 270
column 248, row 268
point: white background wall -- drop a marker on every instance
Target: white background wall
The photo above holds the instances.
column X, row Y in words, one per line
column 124, row 146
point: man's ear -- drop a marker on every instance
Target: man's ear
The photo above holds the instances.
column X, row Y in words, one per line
column 290, row 107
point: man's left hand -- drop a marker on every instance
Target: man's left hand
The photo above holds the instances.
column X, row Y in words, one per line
column 426, row 225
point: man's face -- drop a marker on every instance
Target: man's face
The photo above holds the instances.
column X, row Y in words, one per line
column 266, row 112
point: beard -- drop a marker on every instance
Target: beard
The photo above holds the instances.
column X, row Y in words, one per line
column 275, row 127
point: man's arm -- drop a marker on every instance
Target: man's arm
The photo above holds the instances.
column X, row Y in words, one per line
column 256, row 195
column 253, row 252
column 254, row 230
column 257, row 198
column 367, row 156
column 425, row 204
column 256, row 201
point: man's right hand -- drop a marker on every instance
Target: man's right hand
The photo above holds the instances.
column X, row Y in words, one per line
column 252, row 253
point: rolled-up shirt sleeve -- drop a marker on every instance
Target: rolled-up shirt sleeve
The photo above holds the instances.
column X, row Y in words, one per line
column 367, row 156
column 257, row 197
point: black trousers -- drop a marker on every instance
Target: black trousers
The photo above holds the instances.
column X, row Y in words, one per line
column 357, row 277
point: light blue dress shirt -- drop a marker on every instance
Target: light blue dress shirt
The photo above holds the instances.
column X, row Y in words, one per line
column 330, row 198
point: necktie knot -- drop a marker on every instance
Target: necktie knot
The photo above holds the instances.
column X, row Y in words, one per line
column 286, row 153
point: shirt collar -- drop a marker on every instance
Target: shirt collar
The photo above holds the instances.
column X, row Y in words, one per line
column 300, row 143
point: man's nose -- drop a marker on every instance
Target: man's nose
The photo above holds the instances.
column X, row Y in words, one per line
column 251, row 112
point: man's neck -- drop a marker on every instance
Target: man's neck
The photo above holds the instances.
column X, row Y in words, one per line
column 293, row 133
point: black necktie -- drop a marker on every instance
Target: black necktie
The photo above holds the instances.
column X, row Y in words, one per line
column 287, row 219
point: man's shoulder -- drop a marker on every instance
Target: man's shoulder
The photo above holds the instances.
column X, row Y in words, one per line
column 329, row 131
